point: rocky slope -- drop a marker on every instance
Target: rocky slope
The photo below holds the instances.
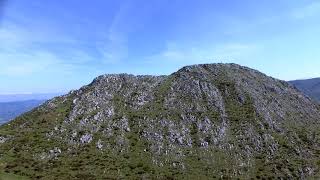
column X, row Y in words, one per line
column 310, row 87
column 204, row 121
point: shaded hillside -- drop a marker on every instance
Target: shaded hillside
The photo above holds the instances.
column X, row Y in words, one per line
column 203, row 121
column 310, row 87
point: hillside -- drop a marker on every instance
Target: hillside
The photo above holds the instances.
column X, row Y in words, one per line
column 10, row 110
column 202, row 122
column 310, row 87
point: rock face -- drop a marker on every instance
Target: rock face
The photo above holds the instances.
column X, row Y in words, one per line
column 204, row 121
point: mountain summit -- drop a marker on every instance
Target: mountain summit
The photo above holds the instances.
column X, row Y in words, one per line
column 203, row 121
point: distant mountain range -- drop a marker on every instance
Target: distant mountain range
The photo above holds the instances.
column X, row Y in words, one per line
column 26, row 97
column 13, row 105
column 10, row 110
column 310, row 87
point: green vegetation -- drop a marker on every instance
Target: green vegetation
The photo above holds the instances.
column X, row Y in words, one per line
column 5, row 176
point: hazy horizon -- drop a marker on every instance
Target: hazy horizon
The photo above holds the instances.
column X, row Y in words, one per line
column 31, row 94
column 5, row 98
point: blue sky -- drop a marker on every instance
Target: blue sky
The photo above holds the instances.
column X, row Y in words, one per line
column 54, row 46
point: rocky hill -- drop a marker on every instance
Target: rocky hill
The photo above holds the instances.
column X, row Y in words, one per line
column 310, row 87
column 202, row 122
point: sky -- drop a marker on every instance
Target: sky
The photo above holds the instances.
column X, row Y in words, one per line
column 51, row 46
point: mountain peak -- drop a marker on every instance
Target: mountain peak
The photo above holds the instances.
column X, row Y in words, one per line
column 219, row 68
column 212, row 65
column 207, row 120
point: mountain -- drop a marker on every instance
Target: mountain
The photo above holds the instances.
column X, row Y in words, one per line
column 310, row 87
column 10, row 110
column 204, row 121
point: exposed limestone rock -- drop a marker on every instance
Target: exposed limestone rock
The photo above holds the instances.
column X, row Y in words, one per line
column 3, row 139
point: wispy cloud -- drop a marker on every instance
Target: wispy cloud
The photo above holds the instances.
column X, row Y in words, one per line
column 26, row 48
column 234, row 50
column 31, row 45
column 113, row 45
column 128, row 19
column 225, row 52
column 21, row 64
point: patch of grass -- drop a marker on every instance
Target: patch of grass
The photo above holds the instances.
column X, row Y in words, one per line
column 7, row 176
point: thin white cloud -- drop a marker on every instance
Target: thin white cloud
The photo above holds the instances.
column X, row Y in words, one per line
column 21, row 34
column 20, row 31
column 234, row 50
column 29, row 46
column 223, row 52
column 20, row 64
column 130, row 17
column 24, row 51
column 113, row 46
